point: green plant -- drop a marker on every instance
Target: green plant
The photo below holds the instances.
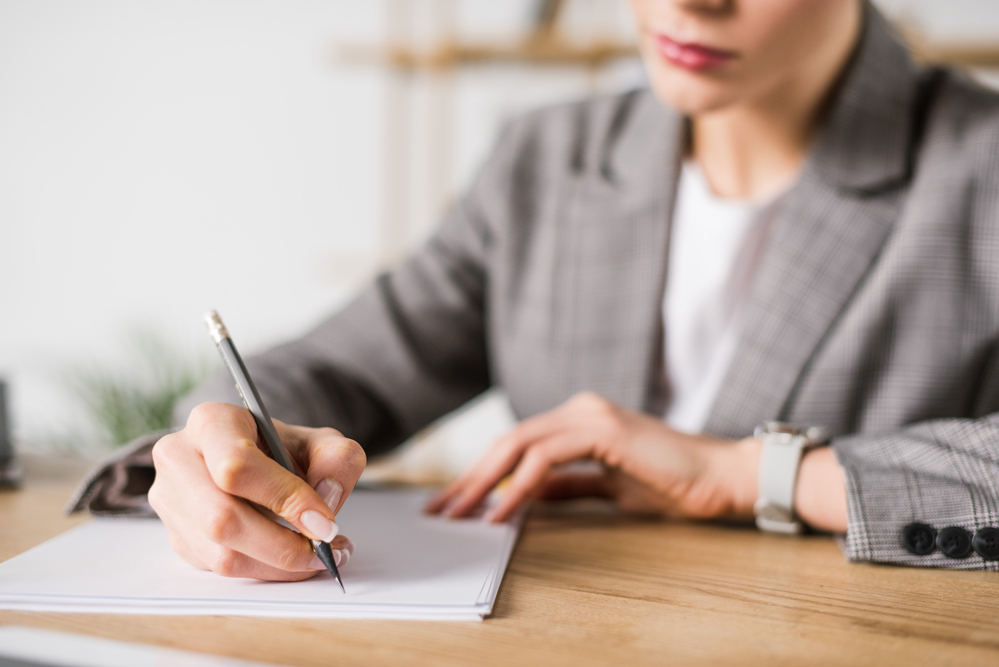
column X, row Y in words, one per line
column 127, row 405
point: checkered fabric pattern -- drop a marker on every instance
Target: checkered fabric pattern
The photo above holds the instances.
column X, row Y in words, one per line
column 875, row 312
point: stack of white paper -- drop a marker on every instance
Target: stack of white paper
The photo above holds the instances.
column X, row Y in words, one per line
column 406, row 565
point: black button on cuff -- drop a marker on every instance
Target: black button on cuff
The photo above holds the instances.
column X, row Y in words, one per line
column 986, row 543
column 954, row 541
column 918, row 538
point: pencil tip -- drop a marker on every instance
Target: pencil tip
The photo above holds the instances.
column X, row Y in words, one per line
column 325, row 553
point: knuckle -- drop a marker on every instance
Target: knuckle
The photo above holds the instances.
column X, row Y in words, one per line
column 176, row 543
column 504, row 443
column 233, row 470
column 184, row 551
column 536, row 457
column 164, row 450
column 599, row 407
column 605, row 409
column 613, row 420
column 589, row 400
column 201, row 414
column 222, row 524
column 205, row 414
column 154, row 496
column 512, row 443
column 611, row 456
column 226, row 562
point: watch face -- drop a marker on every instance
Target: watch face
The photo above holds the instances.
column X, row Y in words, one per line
column 782, row 433
column 776, row 427
column 817, row 434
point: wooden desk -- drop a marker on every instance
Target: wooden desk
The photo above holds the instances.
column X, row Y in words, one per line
column 596, row 588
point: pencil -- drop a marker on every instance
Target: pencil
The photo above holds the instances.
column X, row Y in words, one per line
column 251, row 399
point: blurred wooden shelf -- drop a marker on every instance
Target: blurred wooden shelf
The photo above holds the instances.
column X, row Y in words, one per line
column 543, row 45
column 555, row 51
column 966, row 55
column 448, row 55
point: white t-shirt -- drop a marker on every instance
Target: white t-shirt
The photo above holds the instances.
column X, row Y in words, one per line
column 715, row 249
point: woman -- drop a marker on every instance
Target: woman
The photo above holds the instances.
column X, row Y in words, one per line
column 794, row 224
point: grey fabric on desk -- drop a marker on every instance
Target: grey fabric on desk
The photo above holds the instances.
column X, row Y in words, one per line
column 118, row 485
column 875, row 312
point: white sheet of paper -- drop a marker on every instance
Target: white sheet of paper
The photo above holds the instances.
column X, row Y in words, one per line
column 406, row 565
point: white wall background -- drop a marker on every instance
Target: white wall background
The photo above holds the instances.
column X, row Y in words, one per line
column 162, row 157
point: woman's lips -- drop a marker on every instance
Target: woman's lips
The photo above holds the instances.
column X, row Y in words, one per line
column 692, row 56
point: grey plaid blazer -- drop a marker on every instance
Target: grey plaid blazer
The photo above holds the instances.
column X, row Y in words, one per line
column 875, row 312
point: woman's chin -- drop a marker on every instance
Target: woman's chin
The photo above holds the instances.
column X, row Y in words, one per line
column 693, row 98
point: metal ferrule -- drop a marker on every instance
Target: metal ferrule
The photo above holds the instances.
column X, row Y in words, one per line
column 215, row 326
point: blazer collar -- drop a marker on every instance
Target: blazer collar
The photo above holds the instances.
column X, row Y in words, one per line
column 641, row 134
column 864, row 143
column 830, row 229
column 612, row 255
column 826, row 239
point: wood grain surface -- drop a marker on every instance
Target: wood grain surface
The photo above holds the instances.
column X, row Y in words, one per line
column 587, row 586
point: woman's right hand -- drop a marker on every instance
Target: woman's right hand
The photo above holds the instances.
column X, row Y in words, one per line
column 213, row 481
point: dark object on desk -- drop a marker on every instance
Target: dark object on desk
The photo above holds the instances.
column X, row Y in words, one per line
column 10, row 471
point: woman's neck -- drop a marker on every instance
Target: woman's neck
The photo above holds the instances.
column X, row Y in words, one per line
column 754, row 149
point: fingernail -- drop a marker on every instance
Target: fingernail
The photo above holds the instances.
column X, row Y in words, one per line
column 336, row 556
column 345, row 555
column 318, row 525
column 316, row 564
column 331, row 492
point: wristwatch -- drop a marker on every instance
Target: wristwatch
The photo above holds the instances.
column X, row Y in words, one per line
column 784, row 445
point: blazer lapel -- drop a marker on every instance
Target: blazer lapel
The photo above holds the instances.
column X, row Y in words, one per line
column 612, row 255
column 830, row 229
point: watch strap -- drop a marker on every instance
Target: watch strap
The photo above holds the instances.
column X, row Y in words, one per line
column 780, row 458
column 783, row 446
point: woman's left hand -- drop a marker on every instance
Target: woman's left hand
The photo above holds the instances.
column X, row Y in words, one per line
column 647, row 466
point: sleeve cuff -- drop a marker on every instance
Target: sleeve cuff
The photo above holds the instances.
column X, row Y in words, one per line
column 118, row 485
column 880, row 504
